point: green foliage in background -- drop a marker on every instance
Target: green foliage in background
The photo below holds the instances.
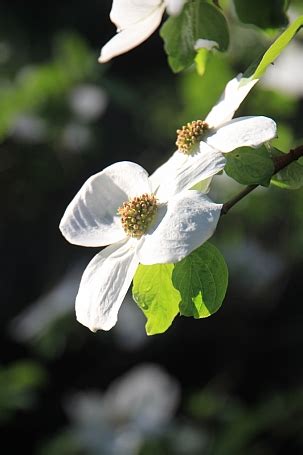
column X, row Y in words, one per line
column 19, row 384
column 36, row 85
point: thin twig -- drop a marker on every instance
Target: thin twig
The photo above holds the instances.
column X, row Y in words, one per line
column 280, row 163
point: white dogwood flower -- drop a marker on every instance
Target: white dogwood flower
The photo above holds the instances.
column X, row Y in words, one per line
column 136, row 20
column 219, row 130
column 143, row 220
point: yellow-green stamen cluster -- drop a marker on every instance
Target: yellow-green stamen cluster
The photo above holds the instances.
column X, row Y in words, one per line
column 189, row 135
column 137, row 214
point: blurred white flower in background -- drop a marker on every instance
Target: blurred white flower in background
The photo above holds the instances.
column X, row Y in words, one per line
column 88, row 102
column 76, row 138
column 29, row 129
column 58, row 302
column 32, row 324
column 135, row 407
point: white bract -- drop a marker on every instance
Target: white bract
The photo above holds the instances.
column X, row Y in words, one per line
column 136, row 20
column 219, row 130
column 180, row 221
column 136, row 407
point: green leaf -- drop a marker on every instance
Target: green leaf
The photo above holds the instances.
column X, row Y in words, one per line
column 155, row 294
column 250, row 166
column 257, row 69
column 202, row 279
column 198, row 20
column 264, row 14
column 289, row 178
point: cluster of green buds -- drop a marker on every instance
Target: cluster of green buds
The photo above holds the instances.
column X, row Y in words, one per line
column 189, row 135
column 137, row 214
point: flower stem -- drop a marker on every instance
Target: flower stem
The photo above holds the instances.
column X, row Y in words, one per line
column 280, row 163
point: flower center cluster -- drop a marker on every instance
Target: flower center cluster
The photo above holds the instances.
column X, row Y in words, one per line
column 189, row 135
column 138, row 214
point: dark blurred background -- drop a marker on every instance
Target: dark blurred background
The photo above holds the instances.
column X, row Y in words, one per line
column 228, row 384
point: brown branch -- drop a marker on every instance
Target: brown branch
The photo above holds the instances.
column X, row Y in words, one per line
column 280, row 163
